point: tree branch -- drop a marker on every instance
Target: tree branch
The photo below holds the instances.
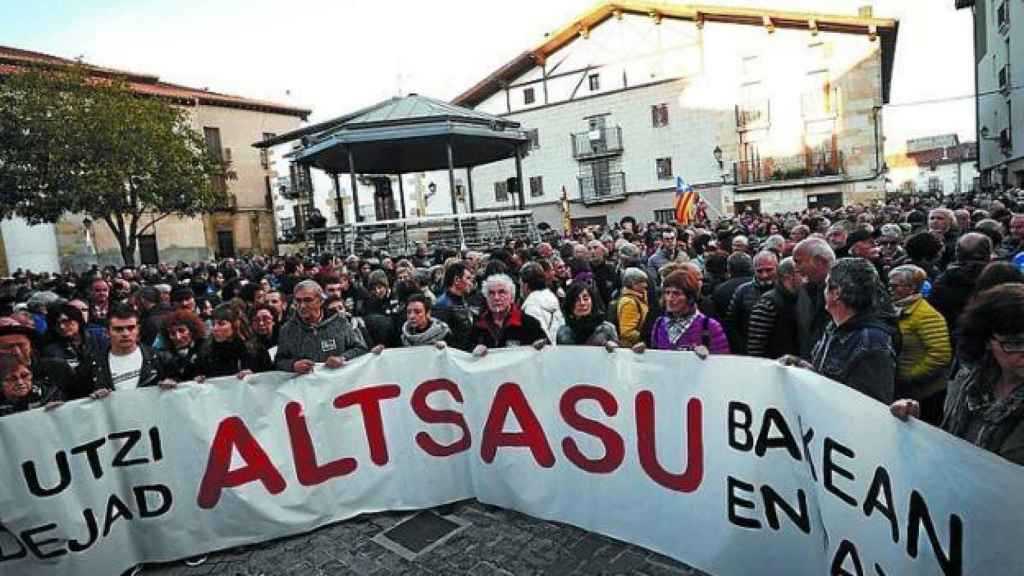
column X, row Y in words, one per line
column 151, row 224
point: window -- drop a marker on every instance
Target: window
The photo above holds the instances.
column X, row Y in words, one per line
column 536, row 186
column 213, row 147
column 664, row 166
column 934, row 185
column 595, row 82
column 534, row 136
column 751, row 66
column 659, row 115
column 665, row 216
column 501, row 191
column 1003, row 16
column 528, row 96
column 817, row 56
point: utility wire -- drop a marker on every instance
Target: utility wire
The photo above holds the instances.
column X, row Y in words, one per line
column 950, row 98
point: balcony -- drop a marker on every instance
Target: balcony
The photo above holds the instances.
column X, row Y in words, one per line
column 609, row 188
column 789, row 168
column 753, row 115
column 596, row 143
column 820, row 104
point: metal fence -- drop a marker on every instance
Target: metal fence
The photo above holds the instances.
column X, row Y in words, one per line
column 597, row 142
column 476, row 231
column 594, row 190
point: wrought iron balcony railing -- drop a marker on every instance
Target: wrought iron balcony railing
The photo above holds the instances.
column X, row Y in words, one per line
column 608, row 188
column 753, row 115
column 788, row 168
column 597, row 142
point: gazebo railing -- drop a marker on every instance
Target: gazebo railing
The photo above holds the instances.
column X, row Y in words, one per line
column 476, row 231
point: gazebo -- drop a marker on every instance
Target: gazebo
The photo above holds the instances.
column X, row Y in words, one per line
column 407, row 134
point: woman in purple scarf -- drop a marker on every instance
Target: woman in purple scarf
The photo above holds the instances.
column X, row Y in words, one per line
column 682, row 326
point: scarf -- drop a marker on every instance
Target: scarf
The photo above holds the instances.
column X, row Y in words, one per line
column 583, row 327
column 979, row 401
column 676, row 326
column 904, row 303
column 436, row 331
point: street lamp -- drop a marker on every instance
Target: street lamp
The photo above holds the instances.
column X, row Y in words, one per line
column 718, row 157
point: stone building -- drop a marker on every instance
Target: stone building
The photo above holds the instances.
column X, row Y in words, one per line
column 230, row 125
column 764, row 109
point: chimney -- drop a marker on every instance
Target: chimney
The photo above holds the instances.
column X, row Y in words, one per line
column 865, row 12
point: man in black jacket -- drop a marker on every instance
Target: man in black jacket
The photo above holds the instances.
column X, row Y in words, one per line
column 126, row 364
column 771, row 332
column 452, row 307
column 814, row 258
column 741, row 271
column 766, row 264
column 955, row 285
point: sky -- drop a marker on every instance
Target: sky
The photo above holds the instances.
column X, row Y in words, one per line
column 337, row 56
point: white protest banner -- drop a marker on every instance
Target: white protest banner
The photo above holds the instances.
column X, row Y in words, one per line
column 736, row 466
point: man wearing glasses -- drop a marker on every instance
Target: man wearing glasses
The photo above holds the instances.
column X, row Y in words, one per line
column 310, row 338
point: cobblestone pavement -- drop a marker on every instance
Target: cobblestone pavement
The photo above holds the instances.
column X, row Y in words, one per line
column 498, row 542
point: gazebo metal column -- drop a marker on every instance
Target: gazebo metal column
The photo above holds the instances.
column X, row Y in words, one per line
column 340, row 213
column 451, row 175
column 401, row 195
column 355, row 189
column 469, row 188
column 519, row 177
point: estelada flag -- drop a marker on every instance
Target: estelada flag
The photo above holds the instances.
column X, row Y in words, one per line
column 686, row 198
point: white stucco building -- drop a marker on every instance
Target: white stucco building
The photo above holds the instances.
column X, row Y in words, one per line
column 999, row 57
column 631, row 95
column 936, row 166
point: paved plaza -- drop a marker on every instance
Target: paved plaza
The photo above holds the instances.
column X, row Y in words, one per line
column 494, row 542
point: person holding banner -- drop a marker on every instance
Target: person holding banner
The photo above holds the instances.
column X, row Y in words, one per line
column 682, row 326
column 857, row 348
column 20, row 393
column 985, row 399
column 231, row 349
column 126, row 364
column 310, row 337
column 503, row 323
column 420, row 329
column 184, row 332
column 584, row 322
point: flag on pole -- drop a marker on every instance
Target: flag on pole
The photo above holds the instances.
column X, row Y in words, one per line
column 566, row 219
column 686, row 198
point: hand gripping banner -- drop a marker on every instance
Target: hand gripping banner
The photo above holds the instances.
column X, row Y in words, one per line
column 736, row 466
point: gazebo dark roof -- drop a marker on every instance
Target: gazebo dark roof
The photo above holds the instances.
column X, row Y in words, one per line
column 405, row 134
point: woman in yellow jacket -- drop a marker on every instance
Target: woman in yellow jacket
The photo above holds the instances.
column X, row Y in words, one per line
column 632, row 307
column 923, row 363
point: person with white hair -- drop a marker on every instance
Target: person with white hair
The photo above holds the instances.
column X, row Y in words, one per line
column 813, row 258
column 503, row 323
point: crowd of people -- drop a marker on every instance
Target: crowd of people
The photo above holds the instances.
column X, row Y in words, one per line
column 918, row 306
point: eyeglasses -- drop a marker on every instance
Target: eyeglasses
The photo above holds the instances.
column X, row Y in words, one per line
column 1011, row 345
column 307, row 300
